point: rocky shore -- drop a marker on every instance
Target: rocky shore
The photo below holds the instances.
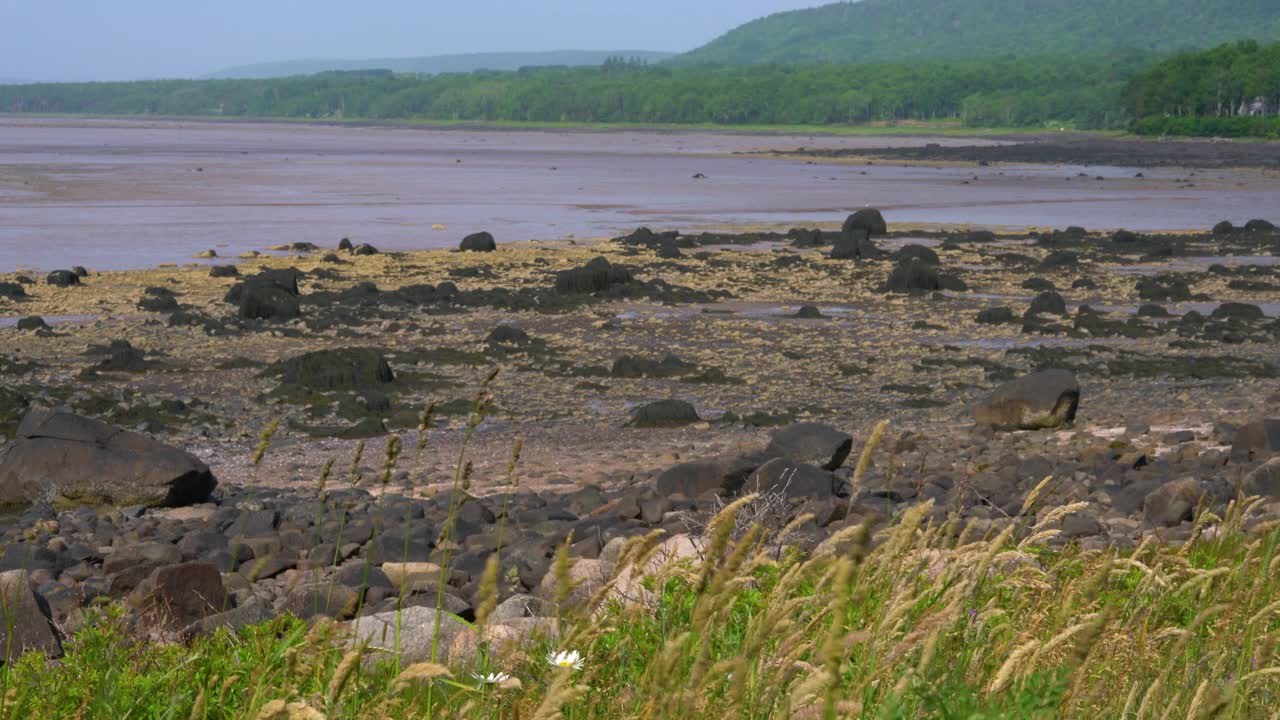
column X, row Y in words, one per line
column 645, row 381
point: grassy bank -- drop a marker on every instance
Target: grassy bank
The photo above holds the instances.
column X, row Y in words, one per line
column 915, row 619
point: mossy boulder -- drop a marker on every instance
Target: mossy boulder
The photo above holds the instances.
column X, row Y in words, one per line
column 338, row 369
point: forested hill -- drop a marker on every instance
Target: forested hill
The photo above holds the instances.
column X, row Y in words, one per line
column 430, row 65
column 887, row 30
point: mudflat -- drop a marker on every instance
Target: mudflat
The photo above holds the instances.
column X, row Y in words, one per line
column 122, row 194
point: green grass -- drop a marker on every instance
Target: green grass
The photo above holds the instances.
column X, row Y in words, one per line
column 910, row 623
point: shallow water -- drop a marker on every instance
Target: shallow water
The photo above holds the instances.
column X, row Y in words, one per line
column 124, row 194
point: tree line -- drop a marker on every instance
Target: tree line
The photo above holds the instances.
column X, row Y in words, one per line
column 1230, row 91
column 1082, row 92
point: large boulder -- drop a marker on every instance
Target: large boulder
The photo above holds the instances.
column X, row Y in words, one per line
column 596, row 275
column 1173, row 502
column 338, row 369
column 25, row 625
column 1257, row 439
column 182, row 594
column 793, row 480
column 67, row 459
column 854, row 245
column 411, row 632
column 723, row 475
column 12, row 290
column 813, row 443
column 269, row 295
column 1164, row 288
column 1044, row 399
column 868, row 219
column 663, row 414
column 62, row 278
column 916, row 276
column 478, row 242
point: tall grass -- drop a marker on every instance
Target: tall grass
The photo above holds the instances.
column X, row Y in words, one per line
column 919, row 618
column 910, row 620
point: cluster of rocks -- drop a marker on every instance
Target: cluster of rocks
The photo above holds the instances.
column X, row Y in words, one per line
column 114, row 514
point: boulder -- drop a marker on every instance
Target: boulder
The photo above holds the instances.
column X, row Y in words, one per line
column 631, row 366
column 1264, row 480
column 811, row 442
column 1044, row 399
column 1224, row 228
column 917, row 252
column 62, row 278
column 595, row 276
column 253, row 612
column 854, row 245
column 507, row 335
column 478, row 242
column 1237, row 311
column 808, row 312
column 339, row 369
column 868, row 219
column 13, row 291
column 222, row 271
column 269, row 295
column 1257, row 439
column 796, row 481
column 415, row 637
column 915, row 276
column 64, row 458
column 327, row 599
column 34, row 322
column 664, row 414
column 996, row 316
column 1164, row 288
column 345, row 244
column 1048, row 302
column 364, row 249
column 182, row 594
column 1258, row 225
column 1172, row 503
column 25, row 625
column 724, row 475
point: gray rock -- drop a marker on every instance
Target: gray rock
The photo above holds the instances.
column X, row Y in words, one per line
column 664, row 414
column 725, row 474
column 416, row 634
column 868, row 219
column 1172, row 503
column 478, row 242
column 792, row 479
column 26, row 624
column 1257, row 439
column 1044, row 399
column 1264, row 480
column 813, row 443
column 68, row 459
column 253, row 612
column 179, row 595
column 854, row 244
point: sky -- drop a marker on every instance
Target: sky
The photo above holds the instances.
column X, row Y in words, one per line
column 66, row 40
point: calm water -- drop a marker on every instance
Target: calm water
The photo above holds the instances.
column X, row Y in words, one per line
column 123, row 194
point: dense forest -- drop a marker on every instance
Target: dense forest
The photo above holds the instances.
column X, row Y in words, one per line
column 892, row 30
column 1229, row 91
column 1006, row 91
column 434, row 64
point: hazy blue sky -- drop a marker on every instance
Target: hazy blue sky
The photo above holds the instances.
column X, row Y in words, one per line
column 119, row 39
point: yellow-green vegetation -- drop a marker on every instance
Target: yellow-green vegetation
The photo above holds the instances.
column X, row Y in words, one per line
column 913, row 619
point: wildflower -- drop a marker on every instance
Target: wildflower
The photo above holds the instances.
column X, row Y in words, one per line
column 495, row 678
column 565, row 659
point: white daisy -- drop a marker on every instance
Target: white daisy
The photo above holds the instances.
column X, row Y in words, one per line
column 565, row 659
column 496, row 678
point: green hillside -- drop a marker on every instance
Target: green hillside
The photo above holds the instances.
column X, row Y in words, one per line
column 431, row 65
column 888, row 30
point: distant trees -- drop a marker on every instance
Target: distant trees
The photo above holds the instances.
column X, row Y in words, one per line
column 1231, row 91
column 1005, row 91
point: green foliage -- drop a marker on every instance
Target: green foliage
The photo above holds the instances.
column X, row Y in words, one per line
column 888, row 30
column 1210, row 93
column 1004, row 91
